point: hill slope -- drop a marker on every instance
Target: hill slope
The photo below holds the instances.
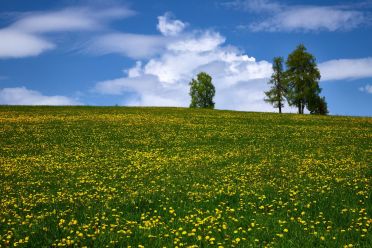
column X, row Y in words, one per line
column 157, row 177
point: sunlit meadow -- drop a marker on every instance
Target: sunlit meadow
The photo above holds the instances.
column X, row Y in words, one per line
column 173, row 177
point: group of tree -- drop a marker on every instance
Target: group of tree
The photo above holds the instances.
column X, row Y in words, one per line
column 298, row 84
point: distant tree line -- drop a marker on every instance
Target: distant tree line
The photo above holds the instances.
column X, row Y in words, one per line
column 298, row 85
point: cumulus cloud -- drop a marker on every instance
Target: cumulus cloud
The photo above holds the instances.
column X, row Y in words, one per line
column 367, row 88
column 149, row 91
column 341, row 69
column 207, row 41
column 140, row 46
column 162, row 79
column 280, row 17
column 24, row 96
column 168, row 26
column 27, row 36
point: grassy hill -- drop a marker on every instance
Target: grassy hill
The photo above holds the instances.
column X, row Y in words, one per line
column 153, row 177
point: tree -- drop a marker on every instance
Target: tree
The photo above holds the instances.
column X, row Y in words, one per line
column 318, row 105
column 202, row 91
column 275, row 95
column 302, row 77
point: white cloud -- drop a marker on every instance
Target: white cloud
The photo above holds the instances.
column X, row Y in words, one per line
column 280, row 17
column 207, row 41
column 27, row 36
column 311, row 19
column 367, row 88
column 24, row 96
column 70, row 19
column 257, row 6
column 169, row 27
column 135, row 71
column 163, row 80
column 182, row 58
column 132, row 45
column 341, row 69
column 14, row 44
column 150, row 92
column 139, row 46
column 66, row 20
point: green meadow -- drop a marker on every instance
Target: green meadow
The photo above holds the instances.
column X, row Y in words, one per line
column 175, row 177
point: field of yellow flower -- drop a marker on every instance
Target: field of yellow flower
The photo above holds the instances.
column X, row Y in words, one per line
column 173, row 177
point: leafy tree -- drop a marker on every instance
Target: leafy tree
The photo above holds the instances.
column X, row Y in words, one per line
column 275, row 95
column 318, row 105
column 302, row 77
column 202, row 91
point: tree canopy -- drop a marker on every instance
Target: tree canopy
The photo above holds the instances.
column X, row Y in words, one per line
column 275, row 95
column 302, row 77
column 202, row 91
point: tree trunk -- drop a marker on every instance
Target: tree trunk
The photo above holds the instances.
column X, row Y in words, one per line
column 303, row 107
column 280, row 107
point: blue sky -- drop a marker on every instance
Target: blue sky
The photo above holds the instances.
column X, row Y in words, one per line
column 144, row 53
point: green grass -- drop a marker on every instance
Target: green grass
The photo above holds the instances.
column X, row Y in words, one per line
column 153, row 177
